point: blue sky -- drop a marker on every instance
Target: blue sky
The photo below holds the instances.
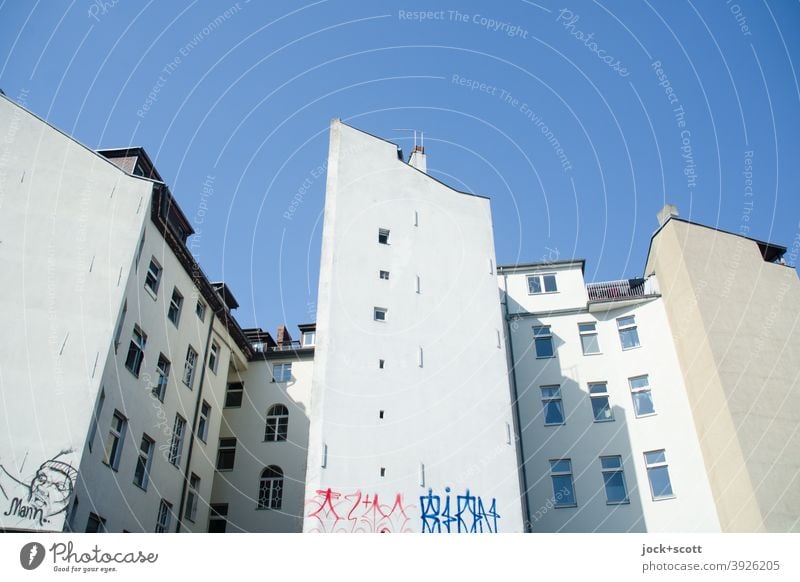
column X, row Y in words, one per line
column 560, row 112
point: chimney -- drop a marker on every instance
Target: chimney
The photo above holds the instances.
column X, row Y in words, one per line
column 666, row 213
column 418, row 159
column 283, row 335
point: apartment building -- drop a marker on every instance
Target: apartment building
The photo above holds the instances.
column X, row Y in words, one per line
column 436, row 392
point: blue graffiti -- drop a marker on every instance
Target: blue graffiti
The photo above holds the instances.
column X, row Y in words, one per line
column 471, row 514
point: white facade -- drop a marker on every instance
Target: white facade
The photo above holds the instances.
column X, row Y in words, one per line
column 576, row 433
column 411, row 417
column 251, row 507
column 412, row 402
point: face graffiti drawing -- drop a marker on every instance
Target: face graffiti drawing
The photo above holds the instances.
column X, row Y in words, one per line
column 47, row 494
column 52, row 486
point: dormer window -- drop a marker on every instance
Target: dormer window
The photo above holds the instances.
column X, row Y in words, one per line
column 542, row 283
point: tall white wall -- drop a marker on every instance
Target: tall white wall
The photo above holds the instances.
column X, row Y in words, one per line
column 580, row 438
column 447, row 422
column 70, row 221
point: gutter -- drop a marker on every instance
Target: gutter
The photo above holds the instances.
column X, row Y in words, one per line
column 517, row 420
column 186, row 472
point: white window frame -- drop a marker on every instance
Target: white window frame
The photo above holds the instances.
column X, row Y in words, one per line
column 164, row 516
column 628, row 327
column 540, row 278
column 282, row 372
column 376, row 311
column 547, row 334
column 598, row 396
column 154, row 270
column 139, row 343
column 145, row 460
column 561, row 473
column 189, row 366
column 115, row 440
column 641, row 390
column 175, row 306
column 620, row 469
column 200, row 310
column 658, row 465
column 556, row 398
column 213, row 357
column 192, row 498
column 204, row 421
column 270, row 489
column 163, row 368
column 309, row 338
column 589, row 333
column 176, row 443
column 277, row 424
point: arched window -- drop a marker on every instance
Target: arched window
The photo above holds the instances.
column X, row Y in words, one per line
column 277, row 423
column 270, row 488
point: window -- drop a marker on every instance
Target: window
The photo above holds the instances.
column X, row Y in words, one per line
column 233, row 396
column 628, row 335
column 164, row 515
column 563, row 487
column 542, row 284
column 543, row 340
column 226, row 454
column 379, row 314
column 96, row 418
column 270, row 488
column 189, row 366
column 642, row 398
column 277, row 423
column 614, row 479
column 176, row 446
column 95, row 524
column 200, row 310
column 175, row 306
column 153, row 277
column 601, row 408
column 213, row 357
column 552, row 405
column 162, row 377
column 309, row 338
column 383, row 236
column 589, row 343
column 205, row 420
column 384, row 275
column 120, row 323
column 282, row 372
column 658, row 474
column 192, row 497
column 142, row 473
column 381, row 364
column 116, row 438
column 218, row 518
column 136, row 351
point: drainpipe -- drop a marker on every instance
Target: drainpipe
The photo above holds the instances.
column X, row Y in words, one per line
column 194, row 424
column 517, row 420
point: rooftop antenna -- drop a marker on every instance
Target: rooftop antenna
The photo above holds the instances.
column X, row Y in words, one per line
column 421, row 137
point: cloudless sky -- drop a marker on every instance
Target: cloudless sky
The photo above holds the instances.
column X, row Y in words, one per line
column 243, row 101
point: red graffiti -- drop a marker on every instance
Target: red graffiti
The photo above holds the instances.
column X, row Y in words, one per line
column 333, row 511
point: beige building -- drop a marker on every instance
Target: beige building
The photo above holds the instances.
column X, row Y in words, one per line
column 732, row 305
